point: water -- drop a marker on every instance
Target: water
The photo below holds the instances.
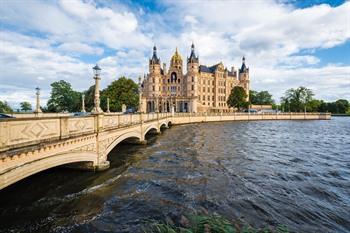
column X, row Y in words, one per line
column 263, row 173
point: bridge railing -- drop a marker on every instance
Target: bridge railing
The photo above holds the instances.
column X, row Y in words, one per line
column 20, row 132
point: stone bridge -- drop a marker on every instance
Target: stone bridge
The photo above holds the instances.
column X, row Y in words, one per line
column 31, row 145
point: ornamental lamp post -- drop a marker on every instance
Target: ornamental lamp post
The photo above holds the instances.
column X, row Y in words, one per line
column 37, row 108
column 97, row 71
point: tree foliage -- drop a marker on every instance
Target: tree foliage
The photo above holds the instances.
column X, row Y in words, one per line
column 340, row 106
column 63, row 98
column 237, row 98
column 121, row 91
column 89, row 98
column 296, row 100
column 5, row 108
column 26, row 106
column 262, row 97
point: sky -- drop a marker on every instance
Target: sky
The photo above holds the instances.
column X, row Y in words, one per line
column 287, row 43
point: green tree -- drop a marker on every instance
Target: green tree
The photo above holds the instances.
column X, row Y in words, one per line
column 253, row 97
column 313, row 105
column 296, row 100
column 121, row 91
column 260, row 98
column 237, row 98
column 26, row 106
column 89, row 98
column 5, row 108
column 342, row 106
column 63, row 98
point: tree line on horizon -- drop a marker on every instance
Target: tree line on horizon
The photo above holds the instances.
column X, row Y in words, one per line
column 294, row 100
column 64, row 98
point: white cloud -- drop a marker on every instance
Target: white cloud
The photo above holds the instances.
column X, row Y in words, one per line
column 80, row 48
column 329, row 82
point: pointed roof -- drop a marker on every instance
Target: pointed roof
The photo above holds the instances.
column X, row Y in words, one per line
column 192, row 58
column 243, row 67
column 155, row 59
column 176, row 57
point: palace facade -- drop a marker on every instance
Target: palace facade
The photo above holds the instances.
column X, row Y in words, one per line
column 201, row 89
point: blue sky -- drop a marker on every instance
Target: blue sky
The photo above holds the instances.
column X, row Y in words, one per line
column 286, row 43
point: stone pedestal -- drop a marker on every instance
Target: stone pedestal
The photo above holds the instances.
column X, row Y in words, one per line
column 102, row 166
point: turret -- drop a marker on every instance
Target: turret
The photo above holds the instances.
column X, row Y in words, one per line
column 192, row 73
column 244, row 77
column 154, row 62
column 192, row 61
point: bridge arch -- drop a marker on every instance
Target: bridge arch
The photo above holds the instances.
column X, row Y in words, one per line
column 122, row 138
column 33, row 167
column 149, row 128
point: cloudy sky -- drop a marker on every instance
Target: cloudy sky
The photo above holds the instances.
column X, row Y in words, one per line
column 286, row 43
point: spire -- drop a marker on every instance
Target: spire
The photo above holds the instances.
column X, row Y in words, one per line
column 154, row 50
column 155, row 59
column 243, row 67
column 192, row 58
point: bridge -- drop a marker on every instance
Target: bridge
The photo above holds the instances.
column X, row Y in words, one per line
column 30, row 145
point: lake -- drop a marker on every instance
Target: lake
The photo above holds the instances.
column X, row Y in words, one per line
column 262, row 173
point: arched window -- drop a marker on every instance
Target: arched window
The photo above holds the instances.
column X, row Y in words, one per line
column 173, row 77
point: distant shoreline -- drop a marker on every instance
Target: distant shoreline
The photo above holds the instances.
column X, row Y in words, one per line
column 341, row 115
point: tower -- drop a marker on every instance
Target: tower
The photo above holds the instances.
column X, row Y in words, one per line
column 244, row 77
column 192, row 78
column 154, row 62
column 154, row 80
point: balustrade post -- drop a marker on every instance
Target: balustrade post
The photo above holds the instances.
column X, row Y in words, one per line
column 64, row 132
column 118, row 120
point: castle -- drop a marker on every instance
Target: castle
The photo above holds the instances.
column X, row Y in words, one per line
column 201, row 89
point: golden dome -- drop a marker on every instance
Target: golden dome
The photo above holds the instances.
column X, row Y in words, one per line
column 176, row 58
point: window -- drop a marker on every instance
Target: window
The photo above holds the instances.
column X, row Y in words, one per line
column 168, row 80
column 153, row 80
column 178, row 80
column 164, row 88
column 192, row 79
column 153, row 88
column 192, row 87
column 208, row 98
column 208, row 89
column 199, row 98
column 213, row 82
column 212, row 98
column 203, row 89
column 173, row 77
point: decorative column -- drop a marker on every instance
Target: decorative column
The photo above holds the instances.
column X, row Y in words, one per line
column 97, row 71
column 83, row 103
column 37, row 108
column 108, row 105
